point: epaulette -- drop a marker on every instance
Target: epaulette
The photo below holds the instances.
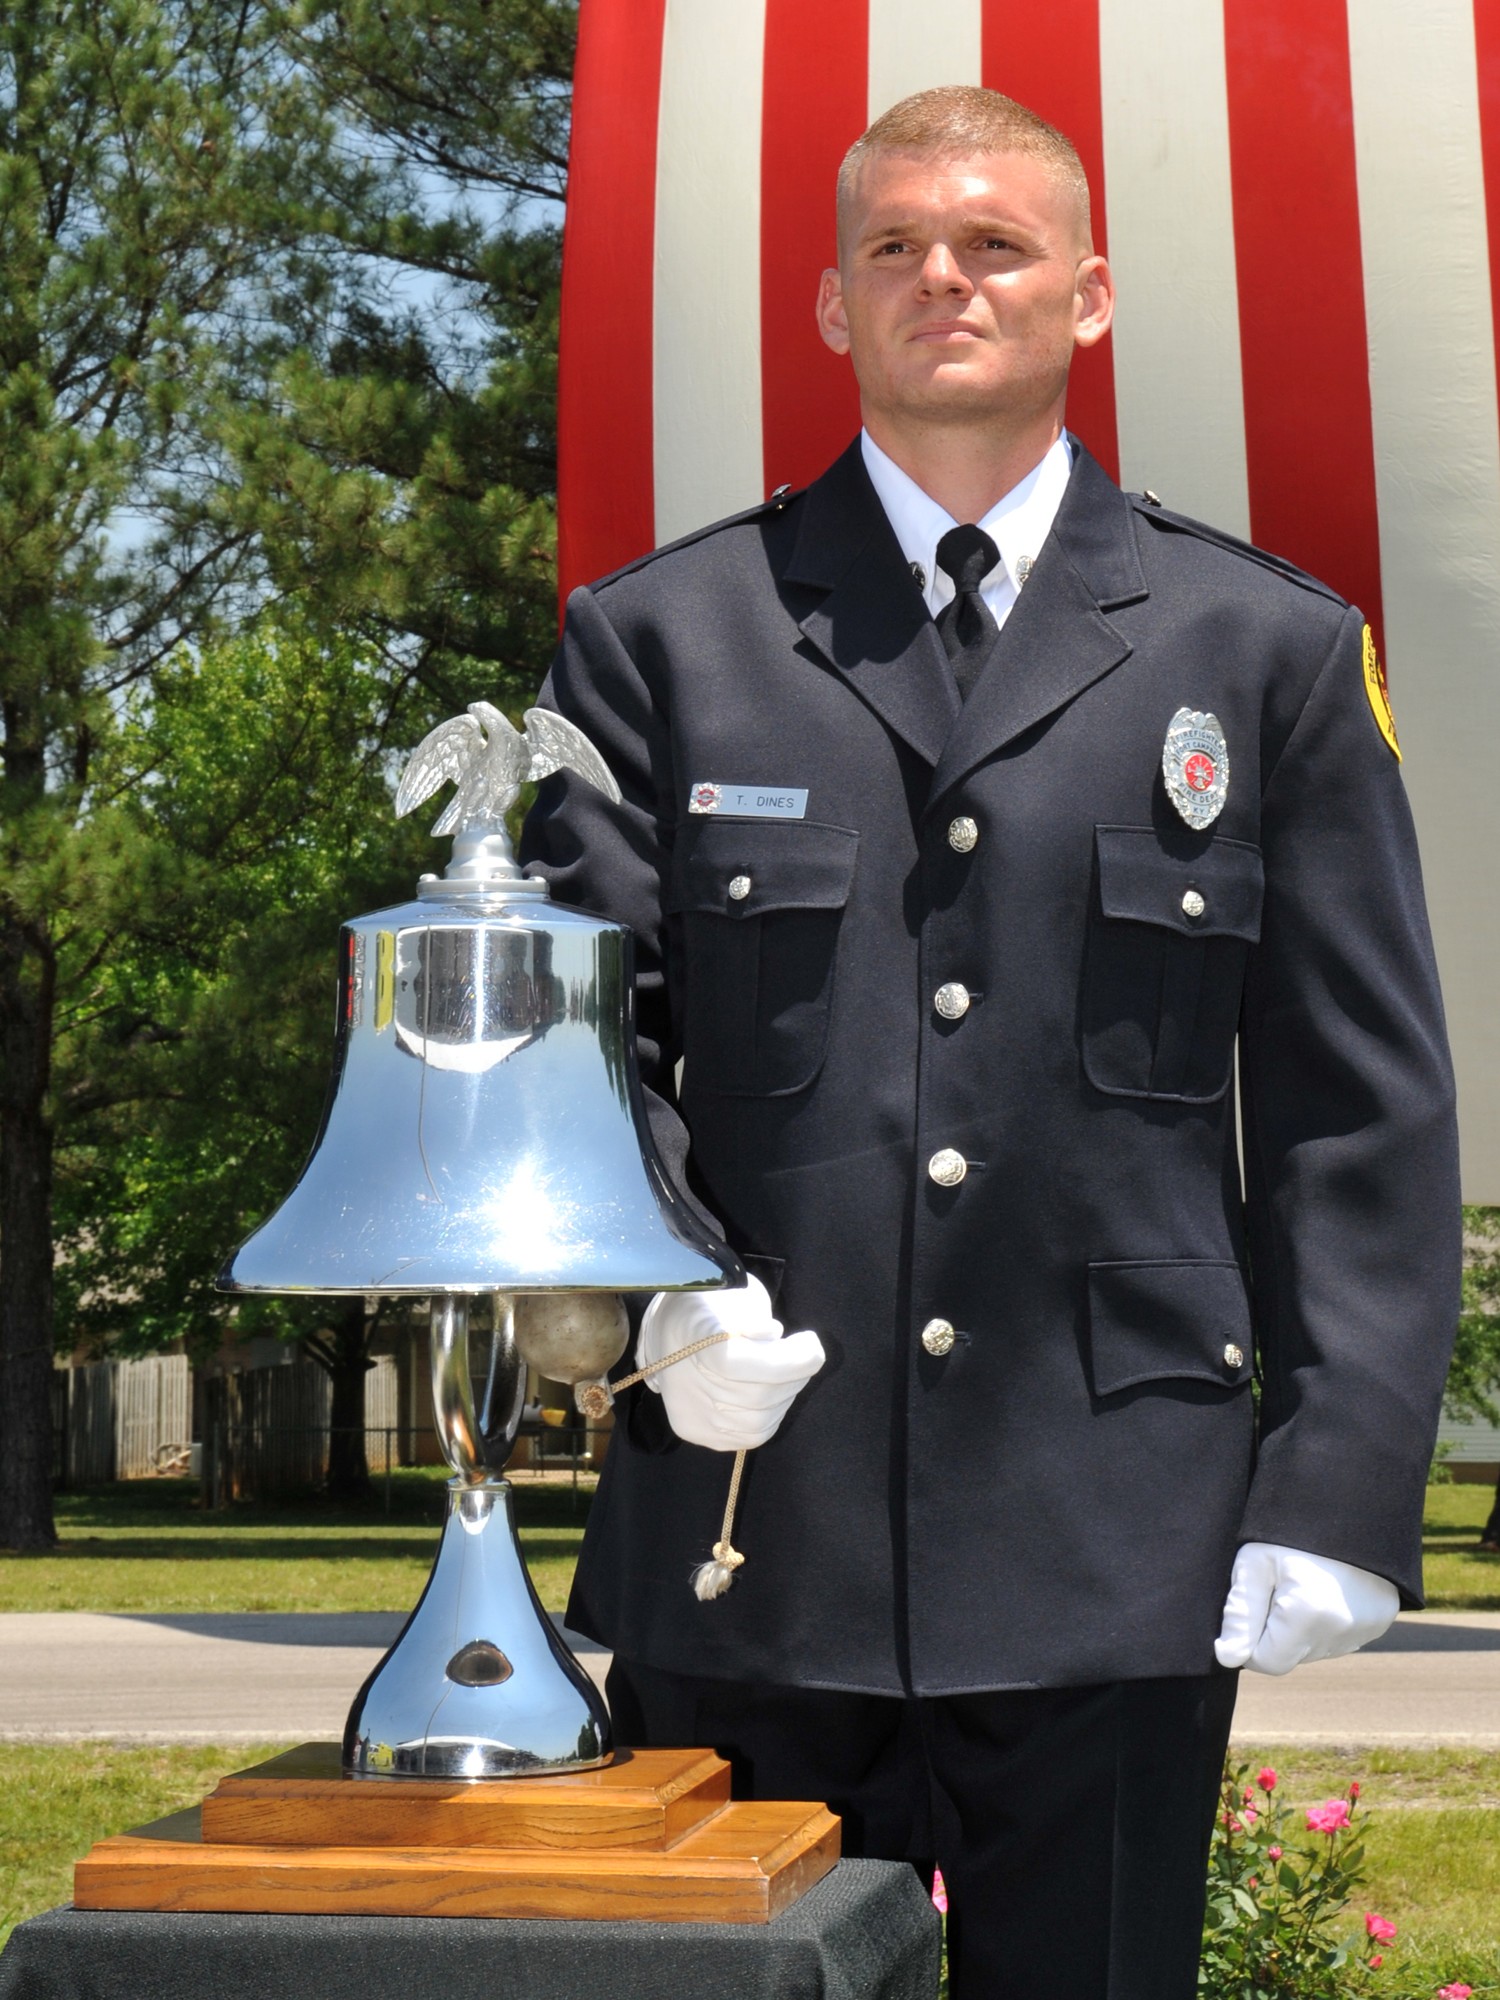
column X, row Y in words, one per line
column 782, row 497
column 1150, row 508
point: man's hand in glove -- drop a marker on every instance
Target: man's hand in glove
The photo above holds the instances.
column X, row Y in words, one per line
column 1285, row 1607
column 730, row 1397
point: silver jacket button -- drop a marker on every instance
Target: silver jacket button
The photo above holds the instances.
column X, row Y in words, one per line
column 1193, row 904
column 938, row 1336
column 739, row 888
column 1233, row 1355
column 963, row 834
column 947, row 1168
column 952, row 1000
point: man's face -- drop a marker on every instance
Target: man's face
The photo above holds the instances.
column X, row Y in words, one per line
column 963, row 288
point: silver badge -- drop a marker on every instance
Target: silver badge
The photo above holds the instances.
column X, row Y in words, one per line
column 1024, row 567
column 749, row 801
column 1195, row 765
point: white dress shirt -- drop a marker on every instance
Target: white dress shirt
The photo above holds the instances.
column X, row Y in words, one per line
column 1018, row 524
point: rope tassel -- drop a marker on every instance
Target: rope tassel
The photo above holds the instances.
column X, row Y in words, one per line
column 710, row 1579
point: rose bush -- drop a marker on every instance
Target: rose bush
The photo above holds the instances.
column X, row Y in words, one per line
column 1279, row 1885
column 1275, row 1927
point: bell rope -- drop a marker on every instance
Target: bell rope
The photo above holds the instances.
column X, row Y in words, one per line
column 710, row 1579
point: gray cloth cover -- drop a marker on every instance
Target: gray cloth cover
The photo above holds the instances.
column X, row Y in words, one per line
column 867, row 1931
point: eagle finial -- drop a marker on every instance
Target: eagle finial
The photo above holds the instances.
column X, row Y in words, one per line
column 490, row 759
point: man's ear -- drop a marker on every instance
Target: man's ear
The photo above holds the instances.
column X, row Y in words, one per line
column 833, row 322
column 1096, row 302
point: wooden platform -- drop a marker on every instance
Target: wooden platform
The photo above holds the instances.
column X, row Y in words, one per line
column 653, row 1836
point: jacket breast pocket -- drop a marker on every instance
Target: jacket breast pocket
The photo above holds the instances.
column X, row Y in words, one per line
column 1165, row 963
column 761, row 904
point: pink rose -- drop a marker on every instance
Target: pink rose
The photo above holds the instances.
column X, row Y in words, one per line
column 1274, row 1853
column 1266, row 1779
column 1457, row 1991
column 1377, row 1959
column 1380, row 1928
column 939, row 1892
column 1354, row 1789
column 1330, row 1818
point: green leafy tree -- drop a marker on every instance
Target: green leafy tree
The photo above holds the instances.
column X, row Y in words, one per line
column 158, row 166
column 253, row 779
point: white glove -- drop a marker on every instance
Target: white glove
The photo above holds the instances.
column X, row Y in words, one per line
column 1285, row 1606
column 730, row 1397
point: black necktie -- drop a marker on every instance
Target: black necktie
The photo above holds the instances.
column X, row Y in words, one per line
column 967, row 625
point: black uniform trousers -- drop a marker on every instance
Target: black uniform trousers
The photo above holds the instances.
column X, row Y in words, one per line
column 1071, row 1824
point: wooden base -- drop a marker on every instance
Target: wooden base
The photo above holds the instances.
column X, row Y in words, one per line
column 654, row 1836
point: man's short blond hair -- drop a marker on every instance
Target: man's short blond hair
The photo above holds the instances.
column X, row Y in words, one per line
column 954, row 122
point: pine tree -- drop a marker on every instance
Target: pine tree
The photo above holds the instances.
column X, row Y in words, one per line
column 404, row 476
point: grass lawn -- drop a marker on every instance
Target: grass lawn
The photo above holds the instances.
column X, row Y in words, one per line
column 145, row 1546
column 1459, row 1578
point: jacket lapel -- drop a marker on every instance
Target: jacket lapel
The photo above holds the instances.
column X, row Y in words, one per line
column 1057, row 640
column 871, row 624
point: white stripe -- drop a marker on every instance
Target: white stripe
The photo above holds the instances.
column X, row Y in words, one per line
column 706, row 306
column 918, row 44
column 1437, row 477
column 1171, row 245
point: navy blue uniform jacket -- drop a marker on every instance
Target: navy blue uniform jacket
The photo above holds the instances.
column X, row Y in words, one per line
column 1058, row 1499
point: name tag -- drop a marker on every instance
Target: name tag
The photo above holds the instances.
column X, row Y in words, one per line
column 749, row 801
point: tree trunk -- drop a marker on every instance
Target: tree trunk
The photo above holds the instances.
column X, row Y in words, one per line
column 26, row 1443
column 345, row 1352
column 1489, row 1534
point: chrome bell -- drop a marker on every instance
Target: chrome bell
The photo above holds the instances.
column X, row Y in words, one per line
column 485, row 1133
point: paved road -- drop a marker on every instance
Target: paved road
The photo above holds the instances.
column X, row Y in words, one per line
column 187, row 1677
column 263, row 1676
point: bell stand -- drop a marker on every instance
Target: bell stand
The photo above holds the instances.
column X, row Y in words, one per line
column 638, row 1834
column 479, row 1684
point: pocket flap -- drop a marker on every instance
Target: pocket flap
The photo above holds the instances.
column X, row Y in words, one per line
column 1155, row 1320
column 775, row 865
column 1140, row 880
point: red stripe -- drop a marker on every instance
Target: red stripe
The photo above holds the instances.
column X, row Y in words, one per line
column 606, row 503
column 1487, row 53
column 1309, row 443
column 813, row 109
column 1048, row 59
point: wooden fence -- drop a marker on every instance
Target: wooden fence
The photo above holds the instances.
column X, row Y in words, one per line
column 266, row 1430
column 121, row 1419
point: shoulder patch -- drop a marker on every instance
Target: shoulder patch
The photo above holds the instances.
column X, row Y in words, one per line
column 1149, row 508
column 781, row 498
column 1379, row 693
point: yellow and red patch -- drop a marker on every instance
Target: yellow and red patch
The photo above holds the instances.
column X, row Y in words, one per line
column 1380, row 694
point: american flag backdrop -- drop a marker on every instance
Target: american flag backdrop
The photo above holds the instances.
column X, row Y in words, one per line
column 1301, row 203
